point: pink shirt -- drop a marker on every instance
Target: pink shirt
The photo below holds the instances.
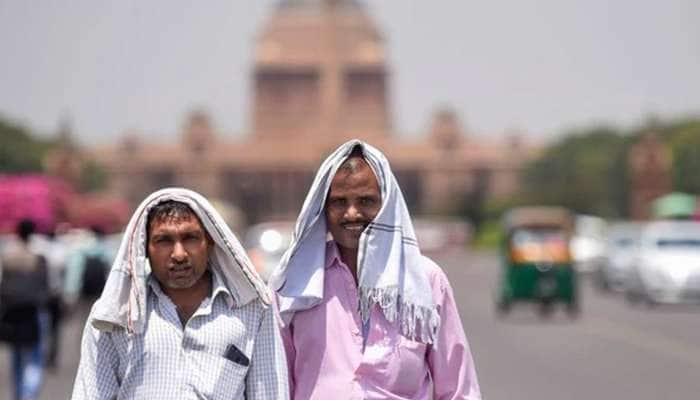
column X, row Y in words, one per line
column 324, row 348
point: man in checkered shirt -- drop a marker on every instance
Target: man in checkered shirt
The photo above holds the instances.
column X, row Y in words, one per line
column 183, row 314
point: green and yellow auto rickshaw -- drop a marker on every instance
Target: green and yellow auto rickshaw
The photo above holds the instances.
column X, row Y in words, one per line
column 536, row 260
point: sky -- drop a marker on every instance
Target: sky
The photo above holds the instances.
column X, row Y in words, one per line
column 539, row 67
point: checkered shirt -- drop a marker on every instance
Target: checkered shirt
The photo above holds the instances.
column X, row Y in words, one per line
column 169, row 361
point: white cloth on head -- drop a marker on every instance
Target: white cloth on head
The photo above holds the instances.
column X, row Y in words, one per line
column 389, row 262
column 123, row 299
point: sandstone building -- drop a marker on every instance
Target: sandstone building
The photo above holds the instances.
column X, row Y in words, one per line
column 320, row 77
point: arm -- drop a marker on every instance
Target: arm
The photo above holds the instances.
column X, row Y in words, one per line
column 450, row 359
column 267, row 374
column 97, row 376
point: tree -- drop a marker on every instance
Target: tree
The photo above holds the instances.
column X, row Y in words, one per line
column 93, row 177
column 685, row 145
column 19, row 151
column 585, row 171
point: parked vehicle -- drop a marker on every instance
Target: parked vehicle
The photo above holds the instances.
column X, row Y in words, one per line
column 536, row 259
column 266, row 243
column 667, row 266
column 621, row 246
column 588, row 243
column 437, row 235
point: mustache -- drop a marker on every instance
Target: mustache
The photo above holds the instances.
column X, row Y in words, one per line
column 364, row 223
column 179, row 266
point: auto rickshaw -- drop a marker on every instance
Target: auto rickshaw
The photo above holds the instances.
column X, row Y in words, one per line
column 536, row 260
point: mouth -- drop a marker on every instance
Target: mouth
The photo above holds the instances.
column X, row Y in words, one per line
column 355, row 227
column 180, row 270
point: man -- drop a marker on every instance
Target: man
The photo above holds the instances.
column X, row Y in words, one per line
column 183, row 314
column 365, row 315
column 24, row 294
column 54, row 251
column 87, row 267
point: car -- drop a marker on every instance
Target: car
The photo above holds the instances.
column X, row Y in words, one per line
column 588, row 243
column 621, row 245
column 436, row 235
column 265, row 244
column 667, row 266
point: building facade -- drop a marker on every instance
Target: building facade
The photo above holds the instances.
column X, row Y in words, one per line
column 320, row 77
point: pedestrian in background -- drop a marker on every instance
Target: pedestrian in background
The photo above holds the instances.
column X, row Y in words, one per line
column 87, row 267
column 56, row 253
column 24, row 320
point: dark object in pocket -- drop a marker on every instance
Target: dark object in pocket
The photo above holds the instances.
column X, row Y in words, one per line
column 237, row 356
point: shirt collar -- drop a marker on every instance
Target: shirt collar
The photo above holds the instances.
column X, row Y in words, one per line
column 332, row 254
column 217, row 285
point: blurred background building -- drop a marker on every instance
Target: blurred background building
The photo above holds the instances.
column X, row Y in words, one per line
column 320, row 77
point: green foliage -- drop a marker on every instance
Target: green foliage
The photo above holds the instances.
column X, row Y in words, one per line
column 19, row 151
column 489, row 237
column 586, row 172
column 92, row 177
column 685, row 145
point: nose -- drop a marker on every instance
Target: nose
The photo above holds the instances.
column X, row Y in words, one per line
column 179, row 254
column 352, row 213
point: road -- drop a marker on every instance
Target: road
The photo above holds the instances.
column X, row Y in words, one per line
column 612, row 351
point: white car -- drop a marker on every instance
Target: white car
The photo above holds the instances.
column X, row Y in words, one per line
column 667, row 266
column 588, row 243
column 265, row 244
column 437, row 235
column 622, row 244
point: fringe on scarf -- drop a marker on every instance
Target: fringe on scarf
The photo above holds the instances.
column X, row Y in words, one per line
column 416, row 322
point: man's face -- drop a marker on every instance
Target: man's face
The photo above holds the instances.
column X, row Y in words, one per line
column 353, row 201
column 178, row 248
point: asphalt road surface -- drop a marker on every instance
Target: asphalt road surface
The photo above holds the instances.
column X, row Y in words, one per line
column 611, row 351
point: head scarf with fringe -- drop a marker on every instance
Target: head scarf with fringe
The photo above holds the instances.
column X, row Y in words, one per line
column 123, row 300
column 390, row 267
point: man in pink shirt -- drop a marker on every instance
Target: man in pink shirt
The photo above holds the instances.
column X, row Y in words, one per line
column 365, row 315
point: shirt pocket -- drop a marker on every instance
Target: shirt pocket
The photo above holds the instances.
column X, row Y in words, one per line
column 215, row 377
column 411, row 352
column 411, row 364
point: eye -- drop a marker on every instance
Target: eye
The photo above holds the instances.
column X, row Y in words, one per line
column 368, row 201
column 191, row 238
column 161, row 240
column 336, row 202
